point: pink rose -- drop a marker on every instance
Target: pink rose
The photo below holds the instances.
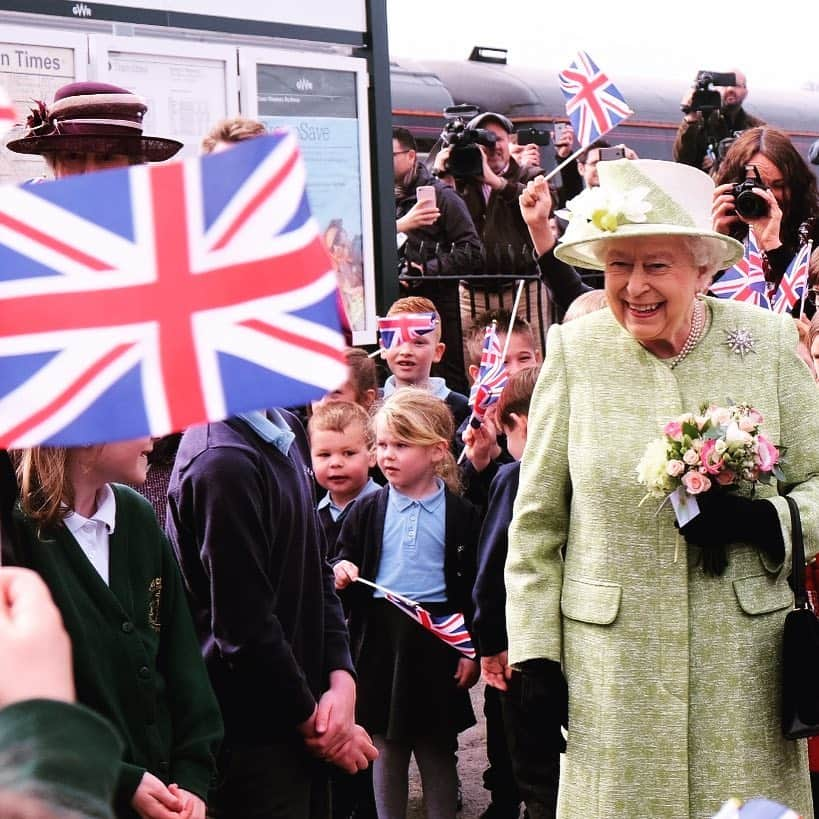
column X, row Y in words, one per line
column 756, row 416
column 695, row 483
column 673, row 429
column 767, row 454
column 726, row 477
column 675, row 468
column 747, row 424
column 710, row 459
column 691, row 457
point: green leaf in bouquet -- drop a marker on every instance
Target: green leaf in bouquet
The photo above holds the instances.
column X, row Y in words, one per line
column 778, row 473
column 712, row 433
column 691, row 430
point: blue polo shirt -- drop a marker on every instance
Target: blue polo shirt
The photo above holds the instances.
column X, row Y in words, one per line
column 335, row 511
column 412, row 552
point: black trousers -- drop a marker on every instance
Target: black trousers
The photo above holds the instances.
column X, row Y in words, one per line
column 279, row 781
column 498, row 778
column 533, row 713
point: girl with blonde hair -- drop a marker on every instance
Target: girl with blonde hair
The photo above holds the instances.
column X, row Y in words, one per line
column 416, row 537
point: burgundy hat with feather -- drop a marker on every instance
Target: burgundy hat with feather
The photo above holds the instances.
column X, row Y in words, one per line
column 92, row 117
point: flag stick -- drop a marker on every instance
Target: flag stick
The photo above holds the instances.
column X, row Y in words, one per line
column 385, row 590
column 375, row 353
column 565, row 162
column 512, row 318
column 807, row 279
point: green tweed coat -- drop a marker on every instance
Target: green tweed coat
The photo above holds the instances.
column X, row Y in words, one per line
column 674, row 678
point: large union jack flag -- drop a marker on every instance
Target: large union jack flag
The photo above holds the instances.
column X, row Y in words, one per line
column 794, row 281
column 745, row 281
column 593, row 103
column 492, row 376
column 402, row 327
column 450, row 628
column 144, row 300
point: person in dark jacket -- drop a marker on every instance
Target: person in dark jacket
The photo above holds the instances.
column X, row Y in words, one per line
column 437, row 239
column 242, row 521
column 522, row 724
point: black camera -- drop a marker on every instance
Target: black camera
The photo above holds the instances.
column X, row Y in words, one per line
column 465, row 159
column 747, row 202
column 705, row 98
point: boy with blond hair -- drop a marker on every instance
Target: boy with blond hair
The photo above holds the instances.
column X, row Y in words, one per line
column 411, row 360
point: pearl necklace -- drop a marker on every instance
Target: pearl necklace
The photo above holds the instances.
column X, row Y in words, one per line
column 694, row 334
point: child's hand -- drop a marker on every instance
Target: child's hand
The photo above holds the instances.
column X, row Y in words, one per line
column 334, row 717
column 467, row 673
column 356, row 754
column 481, row 443
column 496, row 670
column 154, row 800
column 345, row 573
column 193, row 806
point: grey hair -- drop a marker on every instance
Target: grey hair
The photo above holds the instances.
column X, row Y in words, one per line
column 706, row 251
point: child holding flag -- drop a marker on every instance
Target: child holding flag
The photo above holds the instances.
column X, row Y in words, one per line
column 417, row 538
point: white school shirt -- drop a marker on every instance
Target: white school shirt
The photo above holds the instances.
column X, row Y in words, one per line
column 92, row 533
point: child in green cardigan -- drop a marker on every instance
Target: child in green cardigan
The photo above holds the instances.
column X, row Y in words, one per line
column 100, row 550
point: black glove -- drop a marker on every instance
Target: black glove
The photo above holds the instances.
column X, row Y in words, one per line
column 725, row 518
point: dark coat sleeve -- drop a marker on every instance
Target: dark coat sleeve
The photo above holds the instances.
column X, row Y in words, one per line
column 489, row 624
column 463, row 252
column 562, row 279
column 236, row 548
column 63, row 756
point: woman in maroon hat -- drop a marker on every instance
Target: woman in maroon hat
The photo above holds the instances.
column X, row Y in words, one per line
column 91, row 126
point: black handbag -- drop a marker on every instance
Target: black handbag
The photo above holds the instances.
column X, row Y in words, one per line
column 800, row 648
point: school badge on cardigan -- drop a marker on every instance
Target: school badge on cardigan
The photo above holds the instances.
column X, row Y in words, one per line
column 154, row 599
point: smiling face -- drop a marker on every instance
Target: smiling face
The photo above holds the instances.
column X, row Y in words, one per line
column 120, row 462
column 412, row 361
column 341, row 461
column 651, row 286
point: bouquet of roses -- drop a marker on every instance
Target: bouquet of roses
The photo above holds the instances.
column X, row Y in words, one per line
column 719, row 445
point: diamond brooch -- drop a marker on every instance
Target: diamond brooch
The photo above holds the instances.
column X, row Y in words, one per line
column 740, row 341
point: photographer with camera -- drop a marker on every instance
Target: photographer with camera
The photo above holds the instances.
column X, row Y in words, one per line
column 764, row 185
column 437, row 239
column 713, row 116
column 478, row 156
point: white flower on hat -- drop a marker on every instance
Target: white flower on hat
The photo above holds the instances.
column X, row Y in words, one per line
column 607, row 210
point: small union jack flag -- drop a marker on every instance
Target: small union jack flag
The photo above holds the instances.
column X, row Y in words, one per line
column 450, row 628
column 593, row 103
column 492, row 376
column 794, row 282
column 139, row 301
column 745, row 281
column 402, row 327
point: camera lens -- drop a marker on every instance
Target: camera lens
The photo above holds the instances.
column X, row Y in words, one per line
column 750, row 205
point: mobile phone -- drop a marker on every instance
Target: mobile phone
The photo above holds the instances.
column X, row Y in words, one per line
column 425, row 193
column 616, row 152
column 533, row 136
column 560, row 127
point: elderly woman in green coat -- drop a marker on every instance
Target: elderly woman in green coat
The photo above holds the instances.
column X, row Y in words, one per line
column 669, row 637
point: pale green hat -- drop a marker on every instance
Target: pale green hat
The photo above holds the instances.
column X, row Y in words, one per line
column 642, row 197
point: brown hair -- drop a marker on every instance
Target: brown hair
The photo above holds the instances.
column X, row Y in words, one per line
column 233, row 129
column 813, row 330
column 802, row 201
column 417, row 304
column 517, row 395
column 339, row 416
column 421, row 419
column 474, row 339
column 362, row 372
column 46, row 493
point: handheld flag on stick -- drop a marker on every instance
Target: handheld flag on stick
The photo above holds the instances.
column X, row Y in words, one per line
column 402, row 327
column 745, row 281
column 450, row 628
column 492, row 376
column 593, row 103
column 140, row 301
column 794, row 283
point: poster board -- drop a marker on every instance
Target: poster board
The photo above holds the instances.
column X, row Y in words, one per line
column 34, row 63
column 187, row 86
column 324, row 99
